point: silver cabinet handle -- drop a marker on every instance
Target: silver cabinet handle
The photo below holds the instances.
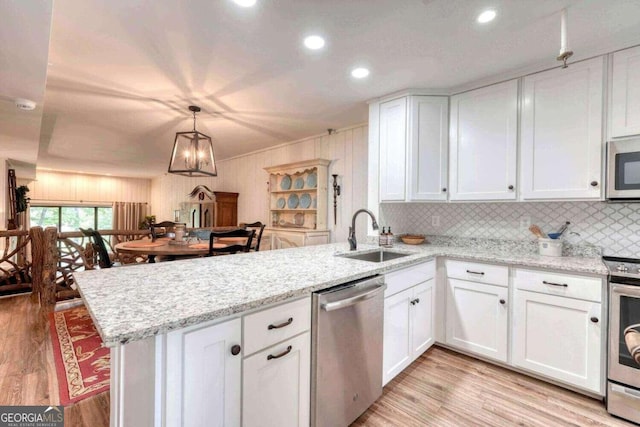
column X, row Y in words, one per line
column 564, row 285
column 369, row 293
column 481, row 273
column 279, row 355
column 281, row 325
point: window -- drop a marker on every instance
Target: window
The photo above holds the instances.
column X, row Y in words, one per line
column 70, row 218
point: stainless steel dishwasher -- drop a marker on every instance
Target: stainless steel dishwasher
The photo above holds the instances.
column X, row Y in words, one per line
column 346, row 358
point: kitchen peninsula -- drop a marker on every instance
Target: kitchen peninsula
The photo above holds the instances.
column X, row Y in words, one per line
column 166, row 322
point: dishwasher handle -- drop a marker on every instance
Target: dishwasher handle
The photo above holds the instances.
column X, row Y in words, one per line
column 355, row 299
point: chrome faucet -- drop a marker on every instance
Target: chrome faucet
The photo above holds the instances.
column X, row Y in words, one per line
column 353, row 244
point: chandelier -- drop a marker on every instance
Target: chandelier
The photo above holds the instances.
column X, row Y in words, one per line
column 193, row 152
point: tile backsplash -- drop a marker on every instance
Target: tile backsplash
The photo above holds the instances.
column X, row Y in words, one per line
column 615, row 227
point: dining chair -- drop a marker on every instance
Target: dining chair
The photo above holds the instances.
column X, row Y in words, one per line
column 231, row 249
column 259, row 228
column 104, row 261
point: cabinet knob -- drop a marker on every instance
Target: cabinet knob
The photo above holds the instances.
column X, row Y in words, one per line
column 503, row 302
column 417, row 300
column 510, row 187
column 235, row 350
column 444, row 190
column 595, row 319
column 594, row 183
column 413, row 302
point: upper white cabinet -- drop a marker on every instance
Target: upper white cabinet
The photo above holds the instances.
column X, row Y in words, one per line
column 393, row 149
column 483, row 134
column 625, row 93
column 428, row 139
column 413, row 148
column 562, row 138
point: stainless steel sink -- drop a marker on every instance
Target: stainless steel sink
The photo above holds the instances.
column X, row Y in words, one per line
column 377, row 256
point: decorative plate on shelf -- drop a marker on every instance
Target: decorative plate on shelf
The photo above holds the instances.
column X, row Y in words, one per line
column 298, row 219
column 305, row 201
column 292, row 202
column 298, row 184
column 285, row 184
column 281, row 203
column 312, row 180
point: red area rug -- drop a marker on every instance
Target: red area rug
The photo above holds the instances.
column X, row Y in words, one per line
column 82, row 363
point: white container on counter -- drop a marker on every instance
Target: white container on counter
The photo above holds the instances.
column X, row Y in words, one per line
column 550, row 247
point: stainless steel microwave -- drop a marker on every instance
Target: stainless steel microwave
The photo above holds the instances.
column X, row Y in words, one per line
column 623, row 169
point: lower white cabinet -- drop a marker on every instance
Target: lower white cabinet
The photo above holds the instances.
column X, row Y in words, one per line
column 276, row 385
column 477, row 318
column 295, row 238
column 408, row 327
column 203, row 376
column 558, row 337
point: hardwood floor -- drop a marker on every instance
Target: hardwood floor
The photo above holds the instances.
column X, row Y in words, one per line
column 444, row 388
column 441, row 388
column 27, row 371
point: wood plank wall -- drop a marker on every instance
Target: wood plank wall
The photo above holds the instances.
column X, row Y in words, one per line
column 347, row 150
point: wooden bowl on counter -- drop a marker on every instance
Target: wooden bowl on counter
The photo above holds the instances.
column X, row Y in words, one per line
column 412, row 239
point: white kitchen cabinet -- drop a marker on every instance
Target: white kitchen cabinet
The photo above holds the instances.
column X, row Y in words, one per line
column 276, row 385
column 483, row 140
column 428, row 147
column 625, row 93
column 393, row 149
column 558, row 337
column 413, row 148
column 203, row 376
column 408, row 327
column 477, row 318
column 562, row 134
column 558, row 327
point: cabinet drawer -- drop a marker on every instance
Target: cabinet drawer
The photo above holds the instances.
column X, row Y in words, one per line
column 270, row 326
column 398, row 281
column 477, row 272
column 580, row 287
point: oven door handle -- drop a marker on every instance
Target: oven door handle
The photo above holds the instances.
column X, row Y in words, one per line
column 625, row 390
column 633, row 291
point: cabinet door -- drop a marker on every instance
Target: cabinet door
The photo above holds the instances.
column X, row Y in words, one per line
column 476, row 318
column 203, row 377
column 483, row 139
column 397, row 353
column 276, row 385
column 556, row 337
column 422, row 318
column 625, row 93
column 284, row 240
column 428, row 136
column 562, row 139
column 393, row 146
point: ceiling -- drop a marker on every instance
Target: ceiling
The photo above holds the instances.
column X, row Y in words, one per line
column 122, row 72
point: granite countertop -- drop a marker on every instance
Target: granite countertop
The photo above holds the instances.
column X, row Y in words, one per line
column 136, row 302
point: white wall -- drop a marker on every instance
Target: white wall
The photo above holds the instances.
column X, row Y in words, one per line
column 347, row 150
column 70, row 187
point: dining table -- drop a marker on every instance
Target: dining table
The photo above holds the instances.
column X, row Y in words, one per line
column 170, row 248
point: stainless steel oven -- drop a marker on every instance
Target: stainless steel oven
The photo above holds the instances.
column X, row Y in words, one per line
column 623, row 385
column 623, row 169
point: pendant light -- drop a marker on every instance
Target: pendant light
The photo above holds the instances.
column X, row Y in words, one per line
column 193, row 152
column 565, row 53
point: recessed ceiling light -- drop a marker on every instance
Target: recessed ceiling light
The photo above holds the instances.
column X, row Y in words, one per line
column 245, row 3
column 360, row 73
column 314, row 42
column 486, row 16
